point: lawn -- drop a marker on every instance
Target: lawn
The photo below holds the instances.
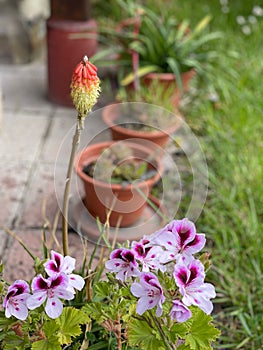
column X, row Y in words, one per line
column 231, row 135
column 230, row 132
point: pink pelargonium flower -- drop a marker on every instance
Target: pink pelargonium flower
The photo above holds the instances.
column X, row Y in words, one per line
column 150, row 293
column 58, row 263
column 189, row 277
column 15, row 300
column 180, row 312
column 148, row 256
column 179, row 238
column 50, row 289
column 122, row 261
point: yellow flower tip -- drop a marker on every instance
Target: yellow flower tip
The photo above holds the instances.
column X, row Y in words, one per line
column 85, row 87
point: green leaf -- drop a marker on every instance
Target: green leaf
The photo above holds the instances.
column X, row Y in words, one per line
column 141, row 72
column 6, row 322
column 69, row 324
column 178, row 330
column 13, row 341
column 141, row 334
column 183, row 347
column 50, row 328
column 51, row 343
column 202, row 332
column 102, row 290
column 94, row 309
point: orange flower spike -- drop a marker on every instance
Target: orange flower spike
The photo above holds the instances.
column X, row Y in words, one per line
column 85, row 87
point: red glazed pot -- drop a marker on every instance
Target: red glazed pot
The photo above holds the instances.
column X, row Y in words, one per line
column 168, row 80
column 125, row 202
column 110, row 115
column 67, row 42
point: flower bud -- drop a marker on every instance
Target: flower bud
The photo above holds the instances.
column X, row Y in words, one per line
column 85, row 87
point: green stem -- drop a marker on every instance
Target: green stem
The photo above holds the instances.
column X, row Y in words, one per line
column 75, row 143
column 167, row 342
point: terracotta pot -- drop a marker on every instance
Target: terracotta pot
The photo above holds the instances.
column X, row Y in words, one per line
column 110, row 115
column 67, row 43
column 125, row 202
column 168, row 80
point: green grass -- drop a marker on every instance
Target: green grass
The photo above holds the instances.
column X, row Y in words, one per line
column 231, row 135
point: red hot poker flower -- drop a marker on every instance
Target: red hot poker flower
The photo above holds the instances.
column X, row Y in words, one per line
column 85, row 87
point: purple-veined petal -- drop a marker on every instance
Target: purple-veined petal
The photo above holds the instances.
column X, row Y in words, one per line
column 159, row 309
column 76, row 281
column 54, row 307
column 58, row 281
column 137, row 290
column 19, row 287
column 191, row 274
column 68, row 265
column 63, row 293
column 168, row 256
column 181, row 275
column 168, row 240
column 8, row 310
column 36, row 299
column 53, row 266
column 198, row 300
column 18, row 310
column 196, row 244
column 22, row 298
column 40, row 283
column 184, row 231
column 200, row 297
column 114, row 265
column 138, row 250
column 144, row 304
column 116, row 253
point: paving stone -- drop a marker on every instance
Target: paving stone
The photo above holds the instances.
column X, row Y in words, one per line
column 42, row 192
column 25, row 87
column 3, row 240
column 13, row 180
column 21, row 135
column 19, row 265
column 58, row 145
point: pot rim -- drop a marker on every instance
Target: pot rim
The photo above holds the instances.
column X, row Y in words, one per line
column 109, row 121
column 117, row 187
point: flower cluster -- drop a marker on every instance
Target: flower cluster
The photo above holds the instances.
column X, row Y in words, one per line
column 60, row 283
column 85, row 87
column 171, row 251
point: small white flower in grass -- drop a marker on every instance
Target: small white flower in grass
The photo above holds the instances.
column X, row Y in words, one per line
column 15, row 300
column 51, row 290
column 257, row 11
column 252, row 19
column 58, row 263
column 241, row 20
column 225, row 9
column 246, row 30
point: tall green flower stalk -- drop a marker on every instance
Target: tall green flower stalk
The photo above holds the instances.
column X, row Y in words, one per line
column 85, row 90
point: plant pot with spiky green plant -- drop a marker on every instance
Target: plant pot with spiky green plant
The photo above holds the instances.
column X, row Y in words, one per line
column 151, row 48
